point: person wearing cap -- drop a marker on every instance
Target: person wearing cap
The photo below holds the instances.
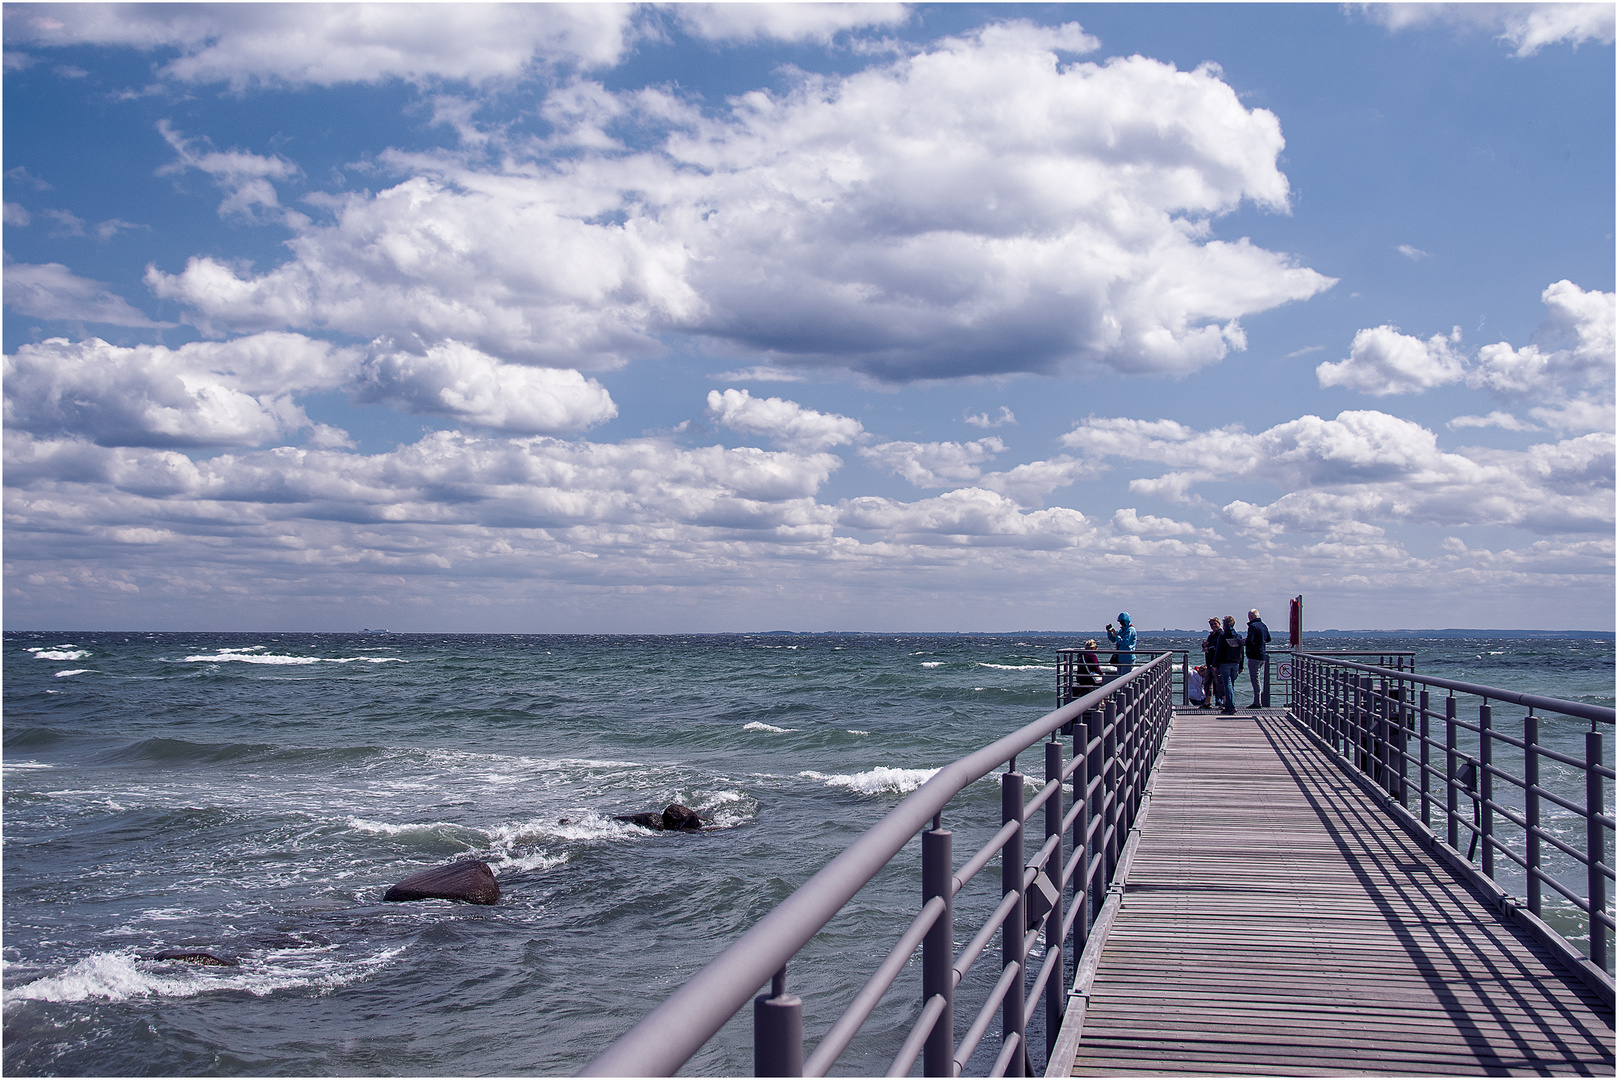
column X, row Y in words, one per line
column 1123, row 640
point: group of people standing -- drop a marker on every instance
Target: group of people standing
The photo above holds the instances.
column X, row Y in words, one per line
column 1225, row 652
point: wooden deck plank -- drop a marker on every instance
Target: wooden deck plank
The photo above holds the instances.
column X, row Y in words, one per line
column 1277, row 922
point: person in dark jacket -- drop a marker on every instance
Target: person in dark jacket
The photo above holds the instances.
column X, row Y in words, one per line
column 1210, row 657
column 1230, row 663
column 1258, row 636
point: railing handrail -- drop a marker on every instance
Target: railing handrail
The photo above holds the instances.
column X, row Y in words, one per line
column 1598, row 713
column 667, row 1036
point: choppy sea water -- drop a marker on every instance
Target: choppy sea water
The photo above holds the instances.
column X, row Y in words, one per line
column 254, row 794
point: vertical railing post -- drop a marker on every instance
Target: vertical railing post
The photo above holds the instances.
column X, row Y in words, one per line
column 1109, row 789
column 1056, row 985
column 1424, row 727
column 1265, row 699
column 1401, row 743
column 1081, row 832
column 1530, row 779
column 1016, row 924
column 778, row 1030
column 1486, row 785
column 1595, row 846
column 1452, row 766
column 938, row 948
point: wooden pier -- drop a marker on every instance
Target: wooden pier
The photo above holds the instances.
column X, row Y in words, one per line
column 1275, row 920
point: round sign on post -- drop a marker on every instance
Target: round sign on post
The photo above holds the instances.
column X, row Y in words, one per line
column 1284, row 669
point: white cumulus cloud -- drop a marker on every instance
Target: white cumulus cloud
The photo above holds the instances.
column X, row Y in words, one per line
column 236, row 393
column 783, row 21
column 326, row 44
column 980, row 207
column 52, row 291
column 455, row 380
column 786, row 422
column 1527, row 28
column 937, row 464
column 1383, row 361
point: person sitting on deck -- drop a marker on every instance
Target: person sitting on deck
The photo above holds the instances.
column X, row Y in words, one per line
column 1196, row 687
column 1089, row 672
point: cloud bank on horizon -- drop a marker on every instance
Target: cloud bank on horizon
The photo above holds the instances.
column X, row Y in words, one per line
column 478, row 317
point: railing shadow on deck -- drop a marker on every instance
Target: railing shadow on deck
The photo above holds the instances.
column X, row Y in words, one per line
column 1379, row 725
column 1411, row 895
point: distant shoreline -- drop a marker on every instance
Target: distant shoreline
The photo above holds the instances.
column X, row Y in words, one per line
column 1280, row 634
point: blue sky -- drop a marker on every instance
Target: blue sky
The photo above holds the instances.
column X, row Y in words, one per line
column 747, row 317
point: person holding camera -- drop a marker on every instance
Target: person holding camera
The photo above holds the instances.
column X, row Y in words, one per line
column 1123, row 640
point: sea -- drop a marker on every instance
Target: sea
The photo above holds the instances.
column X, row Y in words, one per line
column 253, row 795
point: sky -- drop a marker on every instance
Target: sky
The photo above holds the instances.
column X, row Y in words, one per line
column 706, row 318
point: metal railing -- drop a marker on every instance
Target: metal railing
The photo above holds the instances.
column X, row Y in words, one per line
column 1090, row 800
column 1543, row 831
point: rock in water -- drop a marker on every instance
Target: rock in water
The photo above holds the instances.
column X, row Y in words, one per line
column 676, row 816
column 195, row 956
column 647, row 820
column 470, row 880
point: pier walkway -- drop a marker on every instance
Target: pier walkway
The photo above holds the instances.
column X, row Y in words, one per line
column 1275, row 920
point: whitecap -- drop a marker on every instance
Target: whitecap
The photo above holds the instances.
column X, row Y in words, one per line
column 1015, row 667
column 932, row 663
column 856, row 731
column 246, row 657
column 62, row 652
column 758, row 725
column 879, row 780
column 386, row 828
column 71, row 671
column 119, row 976
column 26, row 765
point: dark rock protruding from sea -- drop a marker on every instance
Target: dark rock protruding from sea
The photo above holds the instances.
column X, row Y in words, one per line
column 195, row 956
column 674, row 818
column 470, row 880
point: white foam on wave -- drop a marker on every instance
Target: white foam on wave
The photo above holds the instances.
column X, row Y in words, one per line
column 877, row 781
column 119, row 976
column 932, row 663
column 1014, row 667
column 26, row 765
column 61, row 652
column 759, row 725
column 856, row 731
column 245, row 656
column 388, row 828
column 71, row 671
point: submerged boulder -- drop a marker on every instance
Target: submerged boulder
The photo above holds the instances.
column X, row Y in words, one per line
column 470, row 880
column 674, row 818
column 194, row 956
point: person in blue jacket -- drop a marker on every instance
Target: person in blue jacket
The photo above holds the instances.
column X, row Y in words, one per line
column 1123, row 639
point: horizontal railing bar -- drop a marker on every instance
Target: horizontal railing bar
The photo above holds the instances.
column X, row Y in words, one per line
column 911, row 1050
column 836, row 1040
column 1577, row 901
column 1002, row 1064
column 974, row 1034
column 1597, row 713
column 1035, row 991
column 1039, row 800
column 1043, row 855
column 969, row 869
column 1072, row 815
column 997, row 918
